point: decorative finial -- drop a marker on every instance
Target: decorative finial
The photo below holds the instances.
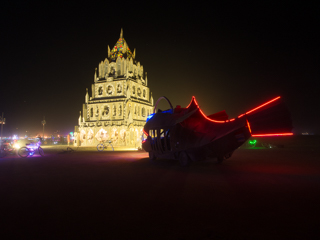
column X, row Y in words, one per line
column 121, row 33
column 108, row 51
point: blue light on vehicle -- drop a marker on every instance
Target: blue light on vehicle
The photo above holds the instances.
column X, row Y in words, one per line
column 149, row 117
column 168, row 111
column 152, row 114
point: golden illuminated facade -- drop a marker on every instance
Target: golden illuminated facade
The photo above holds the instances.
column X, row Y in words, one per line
column 120, row 101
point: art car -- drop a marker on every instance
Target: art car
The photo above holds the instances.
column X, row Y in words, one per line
column 187, row 134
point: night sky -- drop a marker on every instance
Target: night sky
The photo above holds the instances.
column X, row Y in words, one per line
column 231, row 56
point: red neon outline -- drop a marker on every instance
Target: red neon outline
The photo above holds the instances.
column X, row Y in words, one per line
column 211, row 120
column 272, row 134
column 248, row 124
column 262, row 105
column 241, row 115
column 145, row 133
column 193, row 97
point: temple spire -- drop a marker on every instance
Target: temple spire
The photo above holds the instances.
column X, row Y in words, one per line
column 87, row 96
column 121, row 33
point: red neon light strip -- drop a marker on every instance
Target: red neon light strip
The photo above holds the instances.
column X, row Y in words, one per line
column 263, row 105
column 248, row 124
column 272, row 134
column 205, row 115
column 193, row 97
column 145, row 133
column 216, row 121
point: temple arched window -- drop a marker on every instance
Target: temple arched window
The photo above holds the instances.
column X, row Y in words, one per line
column 112, row 71
column 114, row 110
column 97, row 111
column 109, row 90
column 120, row 110
column 91, row 112
column 105, row 111
column 119, row 88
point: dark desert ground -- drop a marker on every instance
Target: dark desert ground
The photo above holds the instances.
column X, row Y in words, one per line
column 258, row 193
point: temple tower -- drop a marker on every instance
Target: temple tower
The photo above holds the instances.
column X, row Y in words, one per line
column 120, row 101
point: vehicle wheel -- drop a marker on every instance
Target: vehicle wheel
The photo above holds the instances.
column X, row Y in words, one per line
column 100, row 147
column 3, row 153
column 41, row 152
column 184, row 159
column 23, row 152
column 152, row 156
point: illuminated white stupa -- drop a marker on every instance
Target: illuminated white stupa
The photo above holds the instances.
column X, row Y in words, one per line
column 120, row 101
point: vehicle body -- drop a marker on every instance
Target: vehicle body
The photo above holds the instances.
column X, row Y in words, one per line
column 187, row 134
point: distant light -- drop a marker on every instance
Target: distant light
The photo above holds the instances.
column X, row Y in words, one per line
column 16, row 146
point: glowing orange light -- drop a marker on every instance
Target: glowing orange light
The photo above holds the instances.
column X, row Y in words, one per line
column 272, row 134
column 248, row 124
column 232, row 119
column 241, row 115
column 263, row 105
column 191, row 101
column 145, row 133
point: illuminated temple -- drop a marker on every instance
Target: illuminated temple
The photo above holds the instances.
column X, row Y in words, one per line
column 120, row 101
